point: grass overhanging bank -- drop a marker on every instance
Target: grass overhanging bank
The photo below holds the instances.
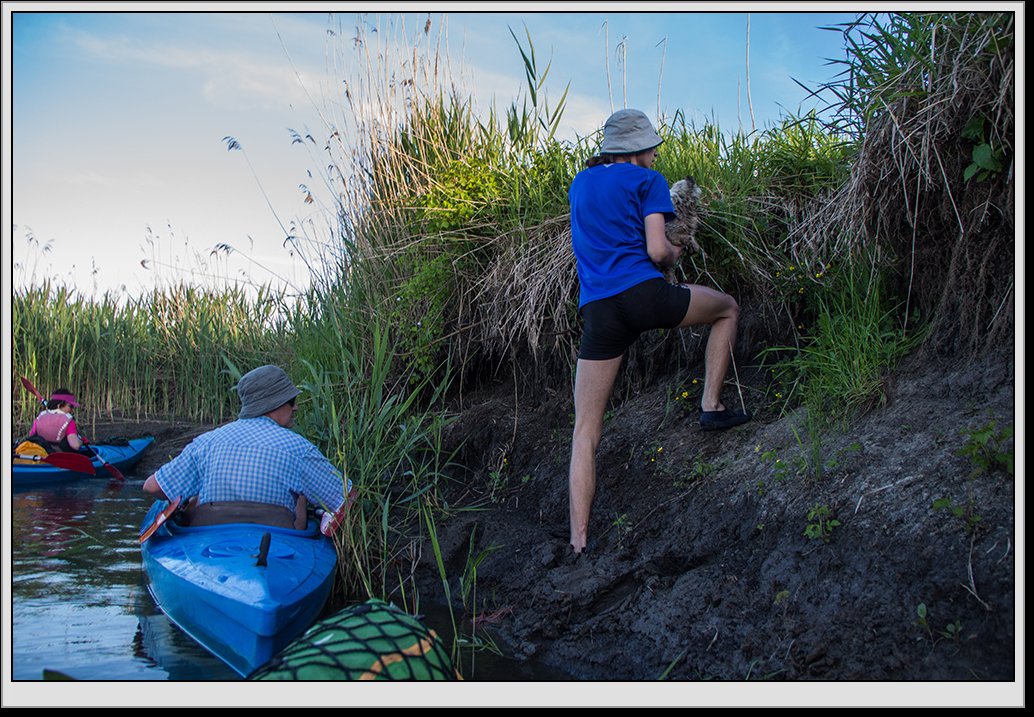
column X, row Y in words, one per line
column 851, row 237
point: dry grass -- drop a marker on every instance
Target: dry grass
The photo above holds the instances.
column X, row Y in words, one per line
column 524, row 304
column 948, row 239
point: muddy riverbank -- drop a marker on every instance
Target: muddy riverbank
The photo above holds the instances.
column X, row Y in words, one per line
column 882, row 552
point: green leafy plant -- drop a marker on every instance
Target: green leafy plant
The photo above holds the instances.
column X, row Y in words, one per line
column 921, row 620
column 781, row 469
column 686, row 397
column 654, row 455
column 702, row 469
column 821, row 523
column 623, row 525
column 987, row 159
column 418, row 314
column 986, row 449
column 699, row 470
column 496, row 484
column 952, row 631
column 966, row 513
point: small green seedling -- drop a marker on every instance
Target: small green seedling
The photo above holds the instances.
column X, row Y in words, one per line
column 821, row 523
column 985, row 449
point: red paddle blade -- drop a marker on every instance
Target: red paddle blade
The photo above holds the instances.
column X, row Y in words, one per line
column 115, row 472
column 162, row 517
column 67, row 461
column 32, row 389
column 71, row 462
column 112, row 470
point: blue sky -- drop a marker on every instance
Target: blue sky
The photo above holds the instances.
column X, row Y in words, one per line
column 118, row 119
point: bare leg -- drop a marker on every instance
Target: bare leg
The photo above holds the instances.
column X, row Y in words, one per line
column 708, row 306
column 594, row 380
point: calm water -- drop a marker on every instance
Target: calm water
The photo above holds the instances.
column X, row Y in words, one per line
column 80, row 605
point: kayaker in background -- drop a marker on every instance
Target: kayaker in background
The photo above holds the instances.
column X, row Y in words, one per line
column 54, row 428
column 255, row 469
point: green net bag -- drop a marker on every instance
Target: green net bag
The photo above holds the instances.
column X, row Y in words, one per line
column 371, row 641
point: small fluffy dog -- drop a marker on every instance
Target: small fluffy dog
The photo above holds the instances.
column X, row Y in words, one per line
column 681, row 231
column 685, row 195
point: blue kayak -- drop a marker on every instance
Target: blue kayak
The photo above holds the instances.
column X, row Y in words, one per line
column 122, row 458
column 208, row 582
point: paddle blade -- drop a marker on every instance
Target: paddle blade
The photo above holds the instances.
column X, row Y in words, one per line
column 32, row 389
column 67, row 461
column 71, row 461
column 160, row 520
column 115, row 472
column 112, row 470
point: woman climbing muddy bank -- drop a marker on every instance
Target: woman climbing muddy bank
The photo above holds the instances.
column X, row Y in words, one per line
column 619, row 206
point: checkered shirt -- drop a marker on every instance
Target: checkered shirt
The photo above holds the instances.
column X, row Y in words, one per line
column 253, row 459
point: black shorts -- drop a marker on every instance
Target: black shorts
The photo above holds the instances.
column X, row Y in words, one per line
column 613, row 324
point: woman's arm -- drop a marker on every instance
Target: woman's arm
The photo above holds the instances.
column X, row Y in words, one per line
column 662, row 252
column 74, row 442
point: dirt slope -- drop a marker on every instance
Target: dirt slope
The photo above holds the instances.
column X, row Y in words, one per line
column 702, row 569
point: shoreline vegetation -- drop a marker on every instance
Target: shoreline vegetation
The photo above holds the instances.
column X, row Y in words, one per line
column 878, row 229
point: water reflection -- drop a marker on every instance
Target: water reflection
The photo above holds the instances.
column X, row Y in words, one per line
column 80, row 603
column 81, row 606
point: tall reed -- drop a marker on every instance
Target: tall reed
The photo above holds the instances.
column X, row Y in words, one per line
column 377, row 426
column 161, row 354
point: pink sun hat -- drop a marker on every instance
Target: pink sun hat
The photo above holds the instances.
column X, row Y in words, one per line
column 66, row 397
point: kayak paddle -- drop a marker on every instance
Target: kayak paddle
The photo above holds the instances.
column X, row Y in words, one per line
column 170, row 509
column 68, row 461
column 115, row 472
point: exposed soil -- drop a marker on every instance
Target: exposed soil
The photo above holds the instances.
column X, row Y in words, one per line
column 700, row 567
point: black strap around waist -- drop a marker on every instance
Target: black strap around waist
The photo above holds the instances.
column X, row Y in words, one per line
column 221, row 513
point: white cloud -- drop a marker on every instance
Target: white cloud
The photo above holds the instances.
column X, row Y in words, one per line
column 583, row 115
column 230, row 78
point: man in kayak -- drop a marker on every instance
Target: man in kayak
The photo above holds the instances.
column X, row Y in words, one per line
column 255, row 469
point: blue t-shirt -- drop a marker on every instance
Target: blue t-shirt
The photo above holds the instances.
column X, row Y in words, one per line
column 609, row 205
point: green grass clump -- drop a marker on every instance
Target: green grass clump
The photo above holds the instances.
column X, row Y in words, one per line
column 379, row 429
column 842, row 365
